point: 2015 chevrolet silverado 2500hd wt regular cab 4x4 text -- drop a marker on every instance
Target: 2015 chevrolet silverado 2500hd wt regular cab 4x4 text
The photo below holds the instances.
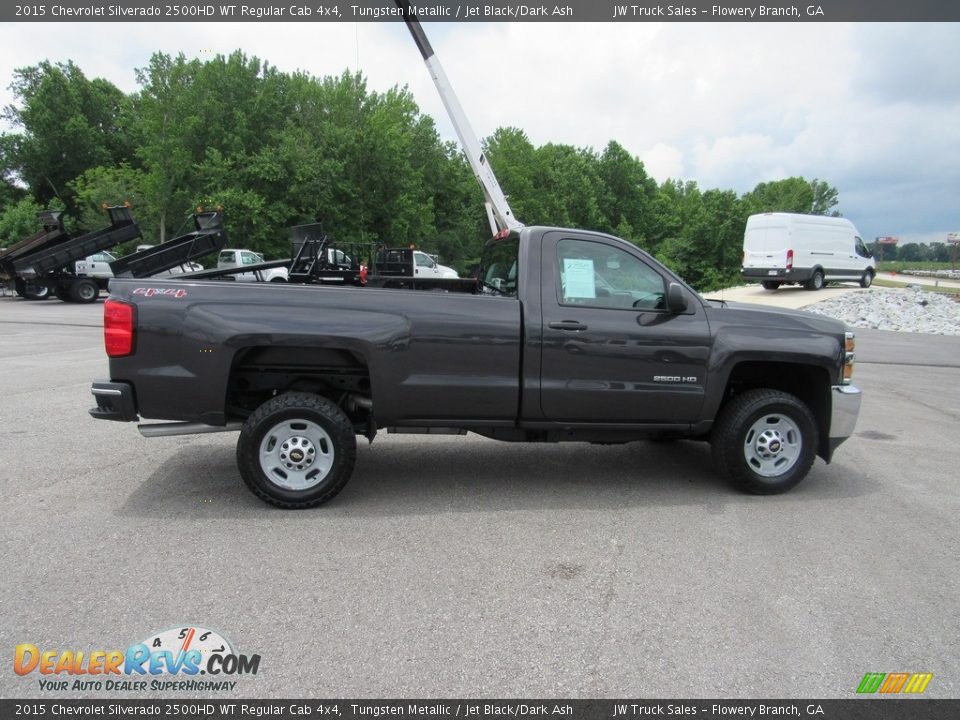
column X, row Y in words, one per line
column 566, row 335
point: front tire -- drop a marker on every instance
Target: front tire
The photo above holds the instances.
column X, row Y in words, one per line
column 866, row 279
column 297, row 450
column 764, row 441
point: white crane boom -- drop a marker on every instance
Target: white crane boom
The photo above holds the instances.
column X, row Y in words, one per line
column 499, row 213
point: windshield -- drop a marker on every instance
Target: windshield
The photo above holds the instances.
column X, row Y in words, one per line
column 498, row 266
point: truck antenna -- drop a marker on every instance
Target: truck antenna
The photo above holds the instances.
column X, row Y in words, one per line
column 499, row 214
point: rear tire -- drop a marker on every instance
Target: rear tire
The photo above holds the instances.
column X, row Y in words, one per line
column 36, row 291
column 84, row 291
column 866, row 279
column 770, row 284
column 764, row 441
column 20, row 287
column 297, row 450
column 816, row 282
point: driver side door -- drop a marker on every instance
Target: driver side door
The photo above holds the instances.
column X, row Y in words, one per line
column 611, row 350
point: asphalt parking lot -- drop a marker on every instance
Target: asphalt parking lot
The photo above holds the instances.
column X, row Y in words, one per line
column 454, row 567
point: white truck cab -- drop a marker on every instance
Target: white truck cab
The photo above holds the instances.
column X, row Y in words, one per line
column 812, row 250
column 96, row 266
column 426, row 266
column 234, row 258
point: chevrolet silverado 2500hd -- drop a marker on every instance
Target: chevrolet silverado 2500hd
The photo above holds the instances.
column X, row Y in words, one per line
column 564, row 335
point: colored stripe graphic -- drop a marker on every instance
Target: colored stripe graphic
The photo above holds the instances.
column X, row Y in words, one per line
column 871, row 682
column 894, row 682
column 918, row 682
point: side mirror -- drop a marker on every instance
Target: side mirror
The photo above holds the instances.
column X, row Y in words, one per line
column 676, row 299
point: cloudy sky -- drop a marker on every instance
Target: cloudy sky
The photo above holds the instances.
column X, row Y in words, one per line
column 874, row 109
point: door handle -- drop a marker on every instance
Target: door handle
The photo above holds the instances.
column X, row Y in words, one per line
column 571, row 325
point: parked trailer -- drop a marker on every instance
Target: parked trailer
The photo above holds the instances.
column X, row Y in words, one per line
column 52, row 233
column 318, row 260
column 52, row 269
column 208, row 236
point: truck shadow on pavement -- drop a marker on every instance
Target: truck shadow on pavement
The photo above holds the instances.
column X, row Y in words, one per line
column 427, row 476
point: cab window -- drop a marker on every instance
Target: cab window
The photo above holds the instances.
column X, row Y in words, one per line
column 498, row 266
column 594, row 274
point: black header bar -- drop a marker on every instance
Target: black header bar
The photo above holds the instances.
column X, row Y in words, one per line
column 625, row 709
column 483, row 11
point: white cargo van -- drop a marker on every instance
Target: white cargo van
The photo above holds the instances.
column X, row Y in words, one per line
column 812, row 250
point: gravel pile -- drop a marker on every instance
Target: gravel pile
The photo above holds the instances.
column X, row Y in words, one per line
column 909, row 310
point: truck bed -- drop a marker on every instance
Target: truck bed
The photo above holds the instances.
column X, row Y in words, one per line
column 122, row 229
column 52, row 234
column 440, row 358
column 207, row 237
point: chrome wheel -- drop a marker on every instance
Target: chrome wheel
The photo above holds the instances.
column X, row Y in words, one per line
column 296, row 454
column 772, row 445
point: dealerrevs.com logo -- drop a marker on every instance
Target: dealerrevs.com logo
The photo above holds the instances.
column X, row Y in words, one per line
column 179, row 659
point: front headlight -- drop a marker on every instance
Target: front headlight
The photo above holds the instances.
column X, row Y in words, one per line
column 849, row 356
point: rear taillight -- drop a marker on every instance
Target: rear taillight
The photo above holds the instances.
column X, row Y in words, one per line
column 118, row 328
column 789, row 259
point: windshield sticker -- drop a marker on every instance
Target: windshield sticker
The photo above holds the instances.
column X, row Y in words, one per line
column 578, row 278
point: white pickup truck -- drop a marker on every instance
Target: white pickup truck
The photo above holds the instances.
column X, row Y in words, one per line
column 426, row 266
column 97, row 267
column 403, row 262
column 234, row 258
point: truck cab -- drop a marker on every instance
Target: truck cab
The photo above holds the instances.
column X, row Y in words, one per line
column 427, row 266
column 96, row 266
column 239, row 258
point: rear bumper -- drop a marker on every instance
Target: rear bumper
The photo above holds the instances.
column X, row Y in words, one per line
column 794, row 275
column 115, row 401
column 845, row 407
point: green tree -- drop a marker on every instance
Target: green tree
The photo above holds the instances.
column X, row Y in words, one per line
column 628, row 194
column 67, row 124
column 825, row 198
column 19, row 221
column 911, row 252
column 105, row 186
column 514, row 160
column 793, row 195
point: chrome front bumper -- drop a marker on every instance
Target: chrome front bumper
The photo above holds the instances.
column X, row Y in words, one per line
column 844, row 409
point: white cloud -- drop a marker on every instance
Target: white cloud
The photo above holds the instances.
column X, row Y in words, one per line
column 663, row 161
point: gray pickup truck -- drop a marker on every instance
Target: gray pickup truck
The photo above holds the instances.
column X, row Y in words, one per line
column 563, row 335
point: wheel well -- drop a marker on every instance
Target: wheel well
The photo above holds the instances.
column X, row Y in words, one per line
column 259, row 373
column 809, row 383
